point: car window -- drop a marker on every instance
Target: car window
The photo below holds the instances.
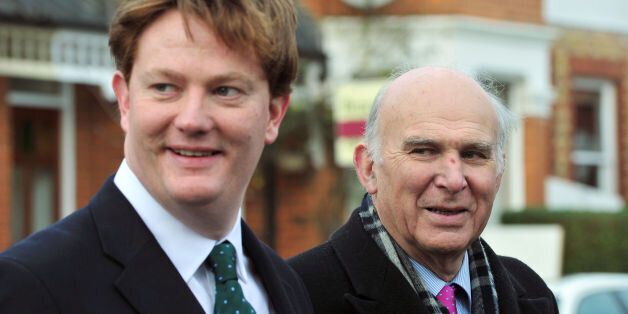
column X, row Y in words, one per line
column 600, row 303
column 623, row 295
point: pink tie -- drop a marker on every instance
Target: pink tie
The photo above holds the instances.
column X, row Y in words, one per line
column 447, row 298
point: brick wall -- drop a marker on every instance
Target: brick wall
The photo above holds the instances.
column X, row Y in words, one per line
column 536, row 161
column 309, row 208
column 5, row 167
column 529, row 11
column 99, row 142
column 599, row 55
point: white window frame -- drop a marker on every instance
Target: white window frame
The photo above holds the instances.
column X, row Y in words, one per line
column 64, row 102
column 606, row 158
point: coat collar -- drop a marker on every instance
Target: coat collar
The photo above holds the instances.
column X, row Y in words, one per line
column 278, row 290
column 148, row 280
column 378, row 286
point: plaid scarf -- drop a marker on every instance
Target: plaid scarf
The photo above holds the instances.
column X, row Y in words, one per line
column 483, row 293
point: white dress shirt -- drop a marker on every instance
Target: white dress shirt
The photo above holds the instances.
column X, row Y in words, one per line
column 188, row 250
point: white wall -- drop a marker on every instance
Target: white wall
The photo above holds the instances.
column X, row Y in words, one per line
column 603, row 15
column 539, row 246
column 561, row 194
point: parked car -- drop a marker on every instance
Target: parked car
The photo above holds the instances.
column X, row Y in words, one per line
column 592, row 293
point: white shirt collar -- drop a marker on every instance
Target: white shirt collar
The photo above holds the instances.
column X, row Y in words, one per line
column 186, row 248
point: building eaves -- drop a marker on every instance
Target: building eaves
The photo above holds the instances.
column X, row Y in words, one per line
column 77, row 14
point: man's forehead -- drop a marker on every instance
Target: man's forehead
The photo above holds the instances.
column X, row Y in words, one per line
column 433, row 80
column 438, row 93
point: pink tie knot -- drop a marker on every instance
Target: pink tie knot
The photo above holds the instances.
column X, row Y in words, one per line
column 447, row 297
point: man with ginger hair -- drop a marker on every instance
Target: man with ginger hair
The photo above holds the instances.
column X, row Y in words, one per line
column 431, row 164
column 202, row 86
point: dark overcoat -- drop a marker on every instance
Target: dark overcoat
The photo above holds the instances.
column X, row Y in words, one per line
column 103, row 259
column 350, row 274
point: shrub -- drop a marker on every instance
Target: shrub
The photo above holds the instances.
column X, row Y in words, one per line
column 594, row 242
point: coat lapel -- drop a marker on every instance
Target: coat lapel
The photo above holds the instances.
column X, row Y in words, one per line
column 148, row 279
column 266, row 269
column 511, row 294
column 378, row 284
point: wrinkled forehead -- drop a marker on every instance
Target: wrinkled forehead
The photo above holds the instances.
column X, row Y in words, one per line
column 435, row 94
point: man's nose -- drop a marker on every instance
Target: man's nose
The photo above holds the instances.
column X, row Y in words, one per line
column 450, row 174
column 193, row 116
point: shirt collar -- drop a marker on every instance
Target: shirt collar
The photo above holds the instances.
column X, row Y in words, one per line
column 186, row 248
column 435, row 284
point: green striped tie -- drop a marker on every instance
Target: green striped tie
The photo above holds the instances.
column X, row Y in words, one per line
column 229, row 296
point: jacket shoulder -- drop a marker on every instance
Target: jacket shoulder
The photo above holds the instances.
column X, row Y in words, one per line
column 22, row 291
column 73, row 236
column 537, row 297
column 284, row 270
column 289, row 288
column 324, row 277
column 525, row 276
column 314, row 260
column 33, row 270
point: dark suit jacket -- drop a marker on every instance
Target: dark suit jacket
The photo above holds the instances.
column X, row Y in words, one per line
column 350, row 274
column 103, row 259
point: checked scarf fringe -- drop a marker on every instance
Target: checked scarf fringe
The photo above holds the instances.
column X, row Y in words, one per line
column 483, row 293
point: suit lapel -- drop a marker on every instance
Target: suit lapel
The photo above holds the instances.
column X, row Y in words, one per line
column 278, row 290
column 266, row 269
column 148, row 279
column 378, row 284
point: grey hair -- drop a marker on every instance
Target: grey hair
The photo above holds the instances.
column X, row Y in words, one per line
column 506, row 119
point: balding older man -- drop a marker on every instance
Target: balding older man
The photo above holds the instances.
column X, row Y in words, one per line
column 431, row 164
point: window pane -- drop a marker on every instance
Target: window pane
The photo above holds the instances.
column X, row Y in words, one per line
column 587, row 121
column 600, row 303
column 17, row 204
column 623, row 295
column 586, row 174
column 43, row 199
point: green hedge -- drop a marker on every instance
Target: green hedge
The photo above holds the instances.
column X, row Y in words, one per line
column 594, row 242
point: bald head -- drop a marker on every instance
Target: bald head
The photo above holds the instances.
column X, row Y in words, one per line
column 439, row 90
column 433, row 164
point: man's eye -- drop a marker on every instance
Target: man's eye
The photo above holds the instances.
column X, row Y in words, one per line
column 422, row 151
column 226, row 91
column 164, row 88
column 473, row 155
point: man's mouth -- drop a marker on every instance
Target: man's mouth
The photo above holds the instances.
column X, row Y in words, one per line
column 195, row 153
column 446, row 212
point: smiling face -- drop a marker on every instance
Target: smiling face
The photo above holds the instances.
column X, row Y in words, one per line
column 196, row 115
column 437, row 179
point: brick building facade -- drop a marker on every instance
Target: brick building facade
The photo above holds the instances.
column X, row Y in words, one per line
column 55, row 65
column 299, row 193
column 567, row 152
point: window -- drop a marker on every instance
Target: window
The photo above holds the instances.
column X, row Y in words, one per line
column 594, row 135
column 604, row 302
column 586, row 136
column 35, row 177
column 623, row 296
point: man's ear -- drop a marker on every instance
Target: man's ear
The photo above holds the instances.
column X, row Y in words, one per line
column 121, row 89
column 364, row 167
column 277, row 109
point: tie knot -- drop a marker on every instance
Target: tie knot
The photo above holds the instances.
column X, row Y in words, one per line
column 447, row 296
column 222, row 261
